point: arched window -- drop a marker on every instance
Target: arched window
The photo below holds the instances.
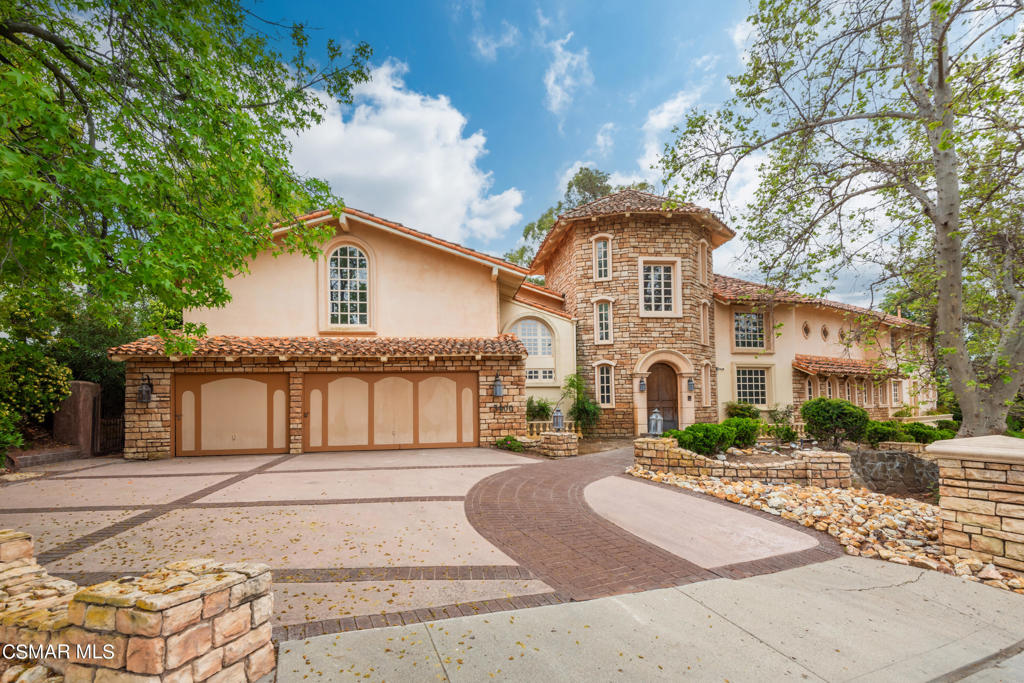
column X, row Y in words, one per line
column 705, row 323
column 810, row 389
column 348, row 287
column 535, row 335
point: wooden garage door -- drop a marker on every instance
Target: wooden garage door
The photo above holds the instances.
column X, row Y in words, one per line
column 360, row 411
column 227, row 414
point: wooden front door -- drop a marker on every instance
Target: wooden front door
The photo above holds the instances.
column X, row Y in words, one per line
column 663, row 394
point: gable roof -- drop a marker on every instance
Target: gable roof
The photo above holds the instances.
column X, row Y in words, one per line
column 324, row 215
column 630, row 201
column 734, row 290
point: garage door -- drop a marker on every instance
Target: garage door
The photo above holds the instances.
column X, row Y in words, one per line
column 227, row 414
column 380, row 410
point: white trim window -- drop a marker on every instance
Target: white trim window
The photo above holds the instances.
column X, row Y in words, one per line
column 658, row 288
column 348, row 294
column 810, row 388
column 602, row 259
column 828, row 388
column 603, row 322
column 752, row 386
column 605, row 385
column 535, row 335
column 849, row 394
column 748, row 330
column 540, row 375
column 897, row 392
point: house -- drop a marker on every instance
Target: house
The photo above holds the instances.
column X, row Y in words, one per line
column 394, row 338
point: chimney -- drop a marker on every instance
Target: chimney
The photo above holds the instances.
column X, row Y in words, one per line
column 899, row 311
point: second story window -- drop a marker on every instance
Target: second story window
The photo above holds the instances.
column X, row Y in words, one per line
column 603, row 322
column 749, row 330
column 348, row 294
column 535, row 335
column 657, row 287
column 897, row 392
column 602, row 259
column 605, row 393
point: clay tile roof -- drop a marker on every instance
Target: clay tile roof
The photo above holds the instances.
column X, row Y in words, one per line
column 826, row 365
column 547, row 309
column 365, row 347
column 735, row 290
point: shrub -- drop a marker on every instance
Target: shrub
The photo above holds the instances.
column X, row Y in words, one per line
column 584, row 411
column 706, row 439
column 739, row 409
column 833, row 420
column 949, row 425
column 922, row 433
column 746, row 430
column 903, row 412
column 510, row 443
column 32, row 385
column 882, row 431
column 946, row 434
column 783, row 433
column 538, row 409
column 10, row 436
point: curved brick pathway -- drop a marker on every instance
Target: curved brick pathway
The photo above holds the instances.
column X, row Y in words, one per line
column 537, row 515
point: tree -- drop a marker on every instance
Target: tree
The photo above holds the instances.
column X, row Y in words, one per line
column 585, row 186
column 145, row 147
column 888, row 134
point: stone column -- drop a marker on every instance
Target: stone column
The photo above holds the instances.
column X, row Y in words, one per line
column 981, row 493
column 295, row 415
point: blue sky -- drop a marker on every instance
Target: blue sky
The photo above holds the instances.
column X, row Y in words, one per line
column 478, row 112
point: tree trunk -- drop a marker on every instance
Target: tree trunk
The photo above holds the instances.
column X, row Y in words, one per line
column 987, row 416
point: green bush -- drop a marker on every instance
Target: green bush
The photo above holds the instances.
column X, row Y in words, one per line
column 32, row 385
column 783, row 433
column 739, row 409
column 746, row 430
column 833, row 420
column 538, row 409
column 946, row 434
column 10, row 436
column 923, row 433
column 882, row 431
column 950, row 425
column 706, row 439
column 510, row 443
column 585, row 411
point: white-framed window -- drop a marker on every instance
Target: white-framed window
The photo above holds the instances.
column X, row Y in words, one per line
column 535, row 335
column 602, row 259
column 828, row 388
column 348, row 292
column 849, row 395
column 541, row 375
column 603, row 322
column 748, row 330
column 810, row 389
column 752, row 386
column 705, row 385
column 897, row 392
column 605, row 385
column 705, row 323
column 658, row 287
column 881, row 391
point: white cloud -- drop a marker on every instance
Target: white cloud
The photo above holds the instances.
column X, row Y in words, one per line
column 740, row 35
column 657, row 126
column 567, row 72
column 487, row 46
column 706, row 62
column 603, row 141
column 405, row 156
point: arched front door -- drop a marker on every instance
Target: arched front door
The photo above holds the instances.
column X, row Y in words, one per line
column 663, row 394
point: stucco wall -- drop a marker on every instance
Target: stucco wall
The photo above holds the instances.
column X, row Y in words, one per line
column 415, row 290
column 563, row 333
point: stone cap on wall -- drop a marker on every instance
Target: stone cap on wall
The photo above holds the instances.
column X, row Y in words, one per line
column 992, row 448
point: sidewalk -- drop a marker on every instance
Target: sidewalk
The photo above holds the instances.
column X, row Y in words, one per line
column 844, row 619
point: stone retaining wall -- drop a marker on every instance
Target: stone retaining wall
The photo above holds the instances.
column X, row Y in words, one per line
column 894, row 472
column 196, row 620
column 903, row 446
column 558, row 445
column 812, row 468
column 981, row 493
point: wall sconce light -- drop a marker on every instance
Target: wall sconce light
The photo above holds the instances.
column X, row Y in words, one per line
column 643, row 384
column 689, row 384
column 557, row 420
column 145, row 390
column 499, row 388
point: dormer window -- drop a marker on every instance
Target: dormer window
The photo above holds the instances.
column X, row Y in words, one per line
column 348, row 287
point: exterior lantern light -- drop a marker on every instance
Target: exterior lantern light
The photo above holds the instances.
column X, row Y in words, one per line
column 145, row 390
column 655, row 423
column 557, row 420
column 689, row 384
column 643, row 384
column 499, row 388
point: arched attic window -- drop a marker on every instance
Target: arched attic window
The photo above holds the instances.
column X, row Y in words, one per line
column 535, row 335
column 348, row 292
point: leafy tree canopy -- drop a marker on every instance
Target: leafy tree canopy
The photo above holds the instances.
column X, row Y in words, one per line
column 888, row 135
column 144, row 147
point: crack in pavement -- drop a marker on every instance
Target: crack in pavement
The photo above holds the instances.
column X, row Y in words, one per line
column 444, row 669
column 889, row 585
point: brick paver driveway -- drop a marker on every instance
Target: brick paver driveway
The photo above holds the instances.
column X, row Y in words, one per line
column 359, row 540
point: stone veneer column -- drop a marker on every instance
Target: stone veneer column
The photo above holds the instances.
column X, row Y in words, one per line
column 295, row 417
column 981, row 493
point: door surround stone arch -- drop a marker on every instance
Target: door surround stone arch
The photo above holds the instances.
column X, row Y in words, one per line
column 684, row 368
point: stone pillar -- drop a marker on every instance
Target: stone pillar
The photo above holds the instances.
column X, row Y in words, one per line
column 75, row 419
column 296, row 419
column 981, row 494
column 559, row 444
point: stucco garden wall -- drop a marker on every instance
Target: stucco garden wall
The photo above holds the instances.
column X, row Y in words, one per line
column 812, row 468
column 149, row 427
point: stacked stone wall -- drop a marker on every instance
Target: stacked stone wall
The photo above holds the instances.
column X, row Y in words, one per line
column 558, row 445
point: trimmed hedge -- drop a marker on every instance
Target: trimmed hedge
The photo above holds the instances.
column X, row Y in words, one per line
column 746, row 428
column 906, row 432
column 704, row 438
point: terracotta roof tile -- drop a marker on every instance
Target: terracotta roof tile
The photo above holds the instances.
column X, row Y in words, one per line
column 364, row 347
column 734, row 289
column 827, row 365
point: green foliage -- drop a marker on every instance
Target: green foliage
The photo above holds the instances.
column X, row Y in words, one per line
column 32, row 385
column 746, row 429
column 740, row 409
column 948, row 425
column 584, row 411
column 903, row 412
column 877, row 432
column 10, row 435
column 510, row 443
column 834, row 420
column 538, row 409
column 146, row 148
column 782, row 433
column 704, row 438
column 922, row 433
